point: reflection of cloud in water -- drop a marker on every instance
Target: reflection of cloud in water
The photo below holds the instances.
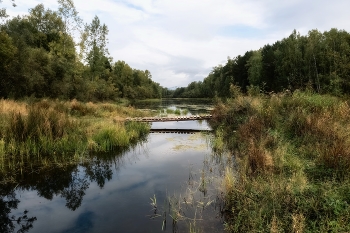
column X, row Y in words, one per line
column 82, row 224
column 116, row 187
column 181, row 125
column 133, row 186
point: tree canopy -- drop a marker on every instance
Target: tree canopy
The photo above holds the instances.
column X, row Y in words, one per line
column 40, row 57
column 318, row 61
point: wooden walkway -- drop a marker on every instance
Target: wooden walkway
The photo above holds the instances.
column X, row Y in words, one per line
column 179, row 118
column 179, row 131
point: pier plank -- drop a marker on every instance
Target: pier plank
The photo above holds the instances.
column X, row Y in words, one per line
column 180, row 118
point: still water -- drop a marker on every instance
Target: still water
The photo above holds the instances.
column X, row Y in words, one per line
column 164, row 184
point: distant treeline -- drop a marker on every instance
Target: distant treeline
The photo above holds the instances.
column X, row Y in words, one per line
column 318, row 62
column 39, row 57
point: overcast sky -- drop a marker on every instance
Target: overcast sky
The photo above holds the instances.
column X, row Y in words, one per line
column 180, row 41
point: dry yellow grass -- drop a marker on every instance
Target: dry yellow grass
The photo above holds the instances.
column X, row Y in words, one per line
column 46, row 130
column 293, row 158
column 8, row 106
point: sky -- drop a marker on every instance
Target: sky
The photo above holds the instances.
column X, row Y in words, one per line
column 180, row 41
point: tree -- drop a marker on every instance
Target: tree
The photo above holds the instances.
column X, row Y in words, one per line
column 7, row 54
column 94, row 47
column 3, row 13
column 71, row 21
column 47, row 25
column 122, row 76
column 314, row 44
column 289, row 62
column 254, row 68
column 268, row 67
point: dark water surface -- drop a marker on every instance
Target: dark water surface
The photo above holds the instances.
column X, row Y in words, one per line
column 114, row 192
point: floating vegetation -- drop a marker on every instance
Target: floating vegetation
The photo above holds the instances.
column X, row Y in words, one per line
column 187, row 143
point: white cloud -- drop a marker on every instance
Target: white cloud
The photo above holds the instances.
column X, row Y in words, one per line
column 180, row 41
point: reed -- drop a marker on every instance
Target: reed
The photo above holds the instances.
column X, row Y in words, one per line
column 42, row 131
column 118, row 136
column 292, row 161
column 46, row 132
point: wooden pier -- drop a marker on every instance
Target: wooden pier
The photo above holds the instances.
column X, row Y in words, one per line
column 179, row 118
column 180, row 131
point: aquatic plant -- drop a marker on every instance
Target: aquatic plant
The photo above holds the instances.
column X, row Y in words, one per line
column 186, row 209
column 154, row 204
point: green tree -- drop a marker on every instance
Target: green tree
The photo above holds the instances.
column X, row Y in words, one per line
column 94, row 43
column 313, row 57
column 7, row 54
column 254, row 65
column 268, row 60
column 123, row 77
column 3, row 13
column 71, row 20
column 46, row 25
column 289, row 62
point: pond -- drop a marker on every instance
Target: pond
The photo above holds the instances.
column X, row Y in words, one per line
column 164, row 184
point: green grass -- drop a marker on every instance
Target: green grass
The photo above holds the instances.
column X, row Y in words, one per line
column 45, row 132
column 184, row 112
column 291, row 155
column 170, row 111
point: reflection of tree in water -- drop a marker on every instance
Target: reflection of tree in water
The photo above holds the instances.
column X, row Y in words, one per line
column 48, row 182
column 100, row 168
column 74, row 192
column 8, row 203
column 69, row 182
column 99, row 171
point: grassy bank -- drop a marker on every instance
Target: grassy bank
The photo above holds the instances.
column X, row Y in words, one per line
column 46, row 132
column 291, row 166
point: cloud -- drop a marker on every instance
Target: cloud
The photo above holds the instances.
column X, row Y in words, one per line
column 180, row 41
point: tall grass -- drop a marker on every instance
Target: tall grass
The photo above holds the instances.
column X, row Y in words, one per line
column 41, row 131
column 46, row 132
column 293, row 162
column 118, row 136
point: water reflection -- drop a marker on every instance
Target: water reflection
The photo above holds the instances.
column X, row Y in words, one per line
column 111, row 192
column 8, row 203
column 68, row 182
column 193, row 106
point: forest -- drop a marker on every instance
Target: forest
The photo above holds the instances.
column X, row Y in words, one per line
column 318, row 61
column 54, row 54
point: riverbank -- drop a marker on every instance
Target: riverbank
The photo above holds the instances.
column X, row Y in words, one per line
column 50, row 132
column 291, row 162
